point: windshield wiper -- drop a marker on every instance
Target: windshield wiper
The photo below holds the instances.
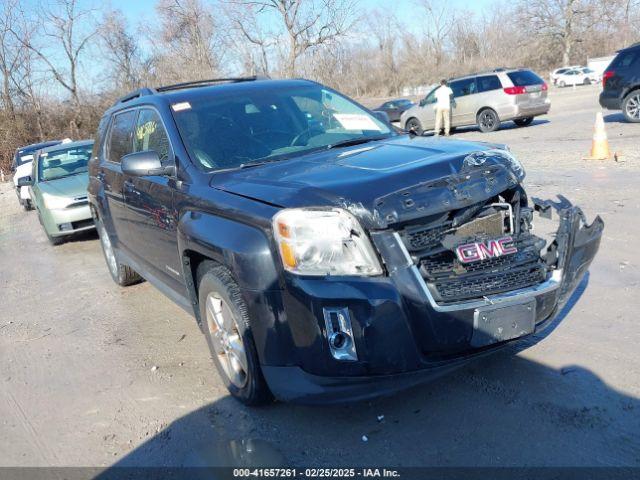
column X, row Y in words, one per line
column 64, row 176
column 356, row 141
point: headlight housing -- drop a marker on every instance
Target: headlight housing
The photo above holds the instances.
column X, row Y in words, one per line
column 55, row 203
column 323, row 242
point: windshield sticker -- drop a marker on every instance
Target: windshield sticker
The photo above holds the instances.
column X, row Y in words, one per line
column 353, row 121
column 178, row 107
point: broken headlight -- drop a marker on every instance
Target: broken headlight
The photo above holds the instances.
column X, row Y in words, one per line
column 495, row 156
column 323, row 242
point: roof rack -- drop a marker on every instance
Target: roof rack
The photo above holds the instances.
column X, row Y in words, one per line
column 204, row 83
column 141, row 92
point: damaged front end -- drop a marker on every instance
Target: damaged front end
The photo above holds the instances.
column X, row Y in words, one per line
column 476, row 274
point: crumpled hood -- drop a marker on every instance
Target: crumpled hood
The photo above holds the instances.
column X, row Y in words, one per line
column 72, row 187
column 383, row 182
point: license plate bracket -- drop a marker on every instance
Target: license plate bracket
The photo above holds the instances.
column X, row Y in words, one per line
column 499, row 323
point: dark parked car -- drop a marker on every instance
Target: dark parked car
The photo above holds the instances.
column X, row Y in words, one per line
column 394, row 108
column 325, row 256
column 621, row 84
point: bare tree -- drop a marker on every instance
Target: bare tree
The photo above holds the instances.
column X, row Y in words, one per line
column 121, row 51
column 187, row 44
column 438, row 26
column 307, row 24
column 67, row 28
column 563, row 21
column 384, row 29
column 11, row 54
column 251, row 40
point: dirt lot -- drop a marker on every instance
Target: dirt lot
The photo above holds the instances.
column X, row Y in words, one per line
column 92, row 374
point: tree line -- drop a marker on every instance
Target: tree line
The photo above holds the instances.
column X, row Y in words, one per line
column 63, row 62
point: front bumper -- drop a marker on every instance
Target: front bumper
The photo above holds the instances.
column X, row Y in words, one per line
column 79, row 217
column 402, row 335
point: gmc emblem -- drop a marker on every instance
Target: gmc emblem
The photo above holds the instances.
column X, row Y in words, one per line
column 477, row 251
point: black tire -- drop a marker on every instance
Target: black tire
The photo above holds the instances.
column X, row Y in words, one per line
column 562, row 84
column 122, row 274
column 216, row 283
column 631, row 106
column 413, row 124
column 523, row 122
column 27, row 205
column 488, row 120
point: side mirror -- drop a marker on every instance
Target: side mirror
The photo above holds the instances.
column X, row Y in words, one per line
column 25, row 182
column 382, row 116
column 141, row 164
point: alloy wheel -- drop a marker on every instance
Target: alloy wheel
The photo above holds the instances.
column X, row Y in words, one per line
column 633, row 106
column 105, row 241
column 487, row 120
column 227, row 340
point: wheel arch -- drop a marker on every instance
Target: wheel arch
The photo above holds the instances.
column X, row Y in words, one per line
column 245, row 250
column 630, row 89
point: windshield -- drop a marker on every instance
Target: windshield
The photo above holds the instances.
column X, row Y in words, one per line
column 64, row 162
column 230, row 130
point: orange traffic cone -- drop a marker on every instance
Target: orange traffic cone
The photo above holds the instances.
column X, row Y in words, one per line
column 600, row 144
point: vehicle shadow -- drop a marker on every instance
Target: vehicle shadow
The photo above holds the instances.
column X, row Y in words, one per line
column 504, row 126
column 615, row 118
column 502, row 410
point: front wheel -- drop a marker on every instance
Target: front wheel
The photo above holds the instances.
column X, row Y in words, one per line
column 631, row 107
column 122, row 274
column 488, row 121
column 226, row 326
column 414, row 125
column 523, row 122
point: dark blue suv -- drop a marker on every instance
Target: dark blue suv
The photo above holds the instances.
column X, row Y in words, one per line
column 621, row 84
column 326, row 256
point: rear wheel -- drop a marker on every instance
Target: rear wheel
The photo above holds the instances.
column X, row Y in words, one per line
column 631, row 106
column 226, row 326
column 488, row 120
column 122, row 274
column 523, row 122
column 414, row 125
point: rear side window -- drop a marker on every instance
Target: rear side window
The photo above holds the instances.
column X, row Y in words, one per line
column 120, row 140
column 463, row 87
column 524, row 78
column 150, row 135
column 102, row 126
column 625, row 59
column 486, row 84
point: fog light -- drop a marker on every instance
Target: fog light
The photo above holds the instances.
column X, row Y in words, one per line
column 340, row 334
column 63, row 227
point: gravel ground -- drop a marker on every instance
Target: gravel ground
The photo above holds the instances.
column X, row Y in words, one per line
column 92, row 374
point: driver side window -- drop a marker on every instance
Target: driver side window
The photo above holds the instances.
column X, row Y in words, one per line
column 149, row 134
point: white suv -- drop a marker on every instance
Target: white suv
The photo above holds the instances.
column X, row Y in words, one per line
column 22, row 165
